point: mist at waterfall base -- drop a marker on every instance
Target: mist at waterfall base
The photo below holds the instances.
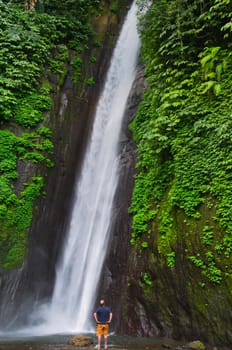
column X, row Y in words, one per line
column 78, row 272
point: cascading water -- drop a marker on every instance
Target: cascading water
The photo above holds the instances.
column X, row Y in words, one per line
column 80, row 266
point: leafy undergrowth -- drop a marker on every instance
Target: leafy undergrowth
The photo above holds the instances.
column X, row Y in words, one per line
column 183, row 132
column 31, row 43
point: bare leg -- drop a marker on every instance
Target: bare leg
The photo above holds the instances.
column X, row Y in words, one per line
column 99, row 341
column 106, row 341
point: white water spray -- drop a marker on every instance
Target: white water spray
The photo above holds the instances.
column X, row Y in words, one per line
column 79, row 269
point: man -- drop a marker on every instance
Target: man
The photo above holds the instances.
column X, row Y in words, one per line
column 103, row 317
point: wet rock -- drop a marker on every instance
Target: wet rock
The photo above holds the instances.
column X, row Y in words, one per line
column 193, row 345
column 80, row 340
column 166, row 346
column 196, row 345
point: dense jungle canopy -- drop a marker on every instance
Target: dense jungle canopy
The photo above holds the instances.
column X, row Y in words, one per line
column 183, row 129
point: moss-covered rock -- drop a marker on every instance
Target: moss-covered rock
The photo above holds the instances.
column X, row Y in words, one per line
column 81, row 340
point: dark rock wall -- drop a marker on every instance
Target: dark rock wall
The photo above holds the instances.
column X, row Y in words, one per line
column 176, row 304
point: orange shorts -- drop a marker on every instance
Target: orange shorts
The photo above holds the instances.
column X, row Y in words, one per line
column 102, row 329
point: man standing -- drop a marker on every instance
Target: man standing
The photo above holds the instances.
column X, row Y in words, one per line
column 103, row 317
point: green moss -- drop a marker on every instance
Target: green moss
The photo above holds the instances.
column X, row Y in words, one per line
column 15, row 221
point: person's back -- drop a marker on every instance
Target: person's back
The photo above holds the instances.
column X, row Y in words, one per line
column 103, row 317
column 103, row 314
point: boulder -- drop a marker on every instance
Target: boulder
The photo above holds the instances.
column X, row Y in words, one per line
column 80, row 340
column 196, row 345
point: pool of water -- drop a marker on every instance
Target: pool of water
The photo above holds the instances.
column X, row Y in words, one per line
column 60, row 342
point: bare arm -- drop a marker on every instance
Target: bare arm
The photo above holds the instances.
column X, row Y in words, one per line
column 95, row 317
column 110, row 317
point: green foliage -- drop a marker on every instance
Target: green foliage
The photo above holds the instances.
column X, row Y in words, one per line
column 208, row 268
column 90, row 81
column 16, row 210
column 31, row 108
column 183, row 130
column 32, row 45
column 114, row 7
column 144, row 245
column 212, row 67
column 171, row 259
column 76, row 64
column 93, row 59
column 22, row 54
column 197, row 261
column 16, row 222
column 147, row 279
column 73, row 19
column 207, row 236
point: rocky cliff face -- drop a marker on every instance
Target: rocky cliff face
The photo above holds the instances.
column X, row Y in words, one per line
column 175, row 303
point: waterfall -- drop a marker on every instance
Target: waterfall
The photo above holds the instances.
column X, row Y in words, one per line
column 84, row 250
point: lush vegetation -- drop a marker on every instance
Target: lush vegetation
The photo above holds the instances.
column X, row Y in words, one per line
column 33, row 45
column 183, row 127
column 183, row 131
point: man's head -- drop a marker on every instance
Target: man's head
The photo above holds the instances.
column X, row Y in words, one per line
column 102, row 302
